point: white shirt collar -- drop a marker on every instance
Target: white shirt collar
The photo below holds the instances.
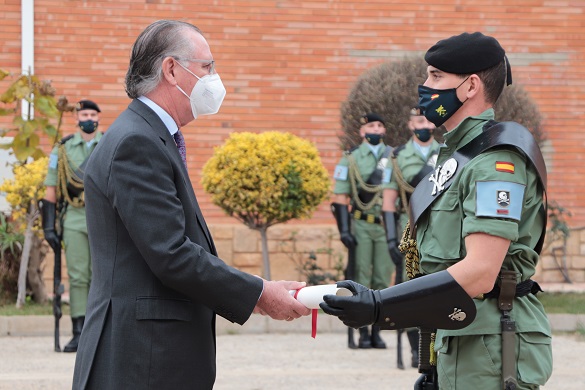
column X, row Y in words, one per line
column 162, row 114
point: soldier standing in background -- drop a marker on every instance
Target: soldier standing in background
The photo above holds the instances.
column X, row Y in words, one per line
column 63, row 210
column 360, row 178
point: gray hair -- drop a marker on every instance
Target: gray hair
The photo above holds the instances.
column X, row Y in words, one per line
column 163, row 38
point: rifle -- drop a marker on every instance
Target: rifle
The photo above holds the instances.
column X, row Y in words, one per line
column 58, row 290
column 399, row 263
column 349, row 274
column 49, row 212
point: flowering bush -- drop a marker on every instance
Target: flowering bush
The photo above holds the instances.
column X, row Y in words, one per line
column 268, row 178
column 27, row 187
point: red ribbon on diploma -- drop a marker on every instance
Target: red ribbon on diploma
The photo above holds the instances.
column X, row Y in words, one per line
column 314, row 313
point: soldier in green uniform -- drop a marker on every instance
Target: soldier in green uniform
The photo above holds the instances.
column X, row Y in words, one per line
column 410, row 163
column 479, row 220
column 360, row 178
column 63, row 210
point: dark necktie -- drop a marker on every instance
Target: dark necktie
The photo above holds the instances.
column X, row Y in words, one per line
column 180, row 141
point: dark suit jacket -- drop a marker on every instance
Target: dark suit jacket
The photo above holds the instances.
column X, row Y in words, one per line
column 157, row 282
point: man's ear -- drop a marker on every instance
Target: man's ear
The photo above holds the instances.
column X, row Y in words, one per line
column 169, row 65
column 474, row 87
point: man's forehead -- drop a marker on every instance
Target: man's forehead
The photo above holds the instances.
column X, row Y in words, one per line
column 432, row 69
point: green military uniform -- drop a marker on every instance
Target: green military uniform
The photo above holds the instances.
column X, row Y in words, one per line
column 410, row 161
column 373, row 266
column 470, row 357
column 74, row 224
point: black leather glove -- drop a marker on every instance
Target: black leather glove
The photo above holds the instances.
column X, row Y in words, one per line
column 355, row 311
column 390, row 220
column 395, row 253
column 342, row 216
column 48, row 215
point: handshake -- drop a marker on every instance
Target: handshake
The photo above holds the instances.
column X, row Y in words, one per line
column 287, row 300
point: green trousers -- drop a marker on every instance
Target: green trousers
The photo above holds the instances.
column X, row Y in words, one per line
column 475, row 362
column 373, row 266
column 78, row 269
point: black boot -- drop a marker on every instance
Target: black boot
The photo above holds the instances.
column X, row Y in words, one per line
column 377, row 341
column 365, row 341
column 77, row 327
column 350, row 340
column 413, row 340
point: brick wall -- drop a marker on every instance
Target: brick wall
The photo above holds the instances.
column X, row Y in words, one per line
column 287, row 65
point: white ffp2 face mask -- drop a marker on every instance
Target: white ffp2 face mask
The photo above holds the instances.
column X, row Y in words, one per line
column 207, row 95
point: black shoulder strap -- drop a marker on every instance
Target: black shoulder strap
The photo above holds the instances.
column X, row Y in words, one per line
column 376, row 176
column 424, row 170
column 501, row 134
column 397, row 150
column 65, row 139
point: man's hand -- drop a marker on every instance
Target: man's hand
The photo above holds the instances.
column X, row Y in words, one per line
column 52, row 239
column 348, row 240
column 395, row 253
column 48, row 215
column 277, row 302
column 356, row 311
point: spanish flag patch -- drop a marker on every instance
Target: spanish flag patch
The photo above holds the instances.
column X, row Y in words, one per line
column 504, row 166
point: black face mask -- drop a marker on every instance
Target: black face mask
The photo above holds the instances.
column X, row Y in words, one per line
column 373, row 139
column 438, row 105
column 88, row 126
column 423, row 134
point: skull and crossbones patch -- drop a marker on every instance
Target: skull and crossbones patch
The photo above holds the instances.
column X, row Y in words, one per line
column 503, row 198
column 499, row 199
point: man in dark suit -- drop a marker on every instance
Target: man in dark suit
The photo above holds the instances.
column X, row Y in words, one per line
column 157, row 283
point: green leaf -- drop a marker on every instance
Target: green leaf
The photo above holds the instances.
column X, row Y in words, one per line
column 50, row 130
column 22, row 153
column 3, row 74
column 38, row 154
column 29, row 127
column 46, row 105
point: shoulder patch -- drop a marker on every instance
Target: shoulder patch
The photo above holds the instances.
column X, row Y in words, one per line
column 53, row 160
column 341, row 172
column 499, row 199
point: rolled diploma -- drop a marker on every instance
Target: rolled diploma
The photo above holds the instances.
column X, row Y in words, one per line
column 312, row 296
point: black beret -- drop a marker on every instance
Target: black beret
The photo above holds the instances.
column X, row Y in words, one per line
column 466, row 53
column 371, row 117
column 86, row 105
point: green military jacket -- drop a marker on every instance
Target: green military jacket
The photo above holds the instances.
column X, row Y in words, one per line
column 476, row 203
column 366, row 164
column 411, row 161
column 77, row 151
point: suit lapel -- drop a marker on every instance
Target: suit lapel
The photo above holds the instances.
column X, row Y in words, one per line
column 161, row 130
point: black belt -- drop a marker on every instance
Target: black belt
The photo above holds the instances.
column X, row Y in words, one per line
column 522, row 289
column 369, row 218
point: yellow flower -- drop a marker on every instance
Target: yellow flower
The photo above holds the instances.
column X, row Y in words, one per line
column 27, row 187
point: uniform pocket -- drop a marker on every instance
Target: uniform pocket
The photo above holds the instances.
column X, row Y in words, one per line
column 534, row 358
column 442, row 237
column 156, row 308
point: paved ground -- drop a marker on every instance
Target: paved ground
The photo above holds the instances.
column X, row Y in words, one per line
column 262, row 361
